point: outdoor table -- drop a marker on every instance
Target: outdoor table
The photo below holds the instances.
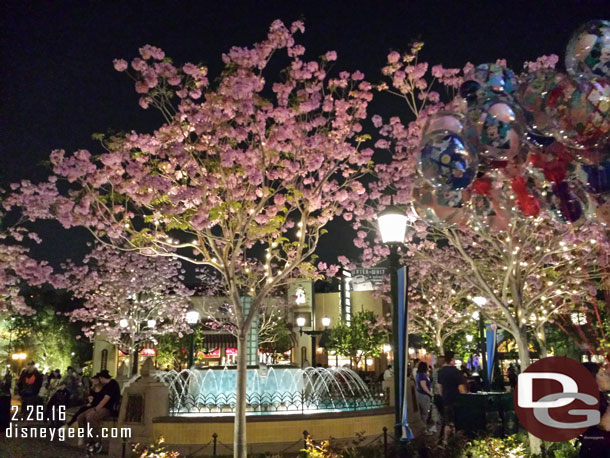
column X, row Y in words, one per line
column 486, row 412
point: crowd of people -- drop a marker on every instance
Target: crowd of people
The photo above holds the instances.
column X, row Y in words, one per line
column 34, row 388
column 437, row 390
column 97, row 397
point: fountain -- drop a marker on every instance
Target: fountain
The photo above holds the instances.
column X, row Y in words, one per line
column 274, row 390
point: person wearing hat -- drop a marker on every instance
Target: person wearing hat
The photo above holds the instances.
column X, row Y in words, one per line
column 107, row 398
column 93, row 399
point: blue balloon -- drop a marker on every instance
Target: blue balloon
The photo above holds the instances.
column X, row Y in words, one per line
column 597, row 177
column 446, row 163
column 565, row 203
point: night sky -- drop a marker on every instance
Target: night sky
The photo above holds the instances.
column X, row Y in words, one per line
column 58, row 85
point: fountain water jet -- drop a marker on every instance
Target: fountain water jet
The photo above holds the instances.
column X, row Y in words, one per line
column 212, row 391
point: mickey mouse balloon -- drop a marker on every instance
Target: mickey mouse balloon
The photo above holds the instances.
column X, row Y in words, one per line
column 497, row 133
column 445, row 161
column 588, row 51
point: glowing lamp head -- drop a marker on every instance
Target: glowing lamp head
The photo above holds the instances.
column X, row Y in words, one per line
column 469, row 338
column 392, row 225
column 192, row 316
column 123, row 323
column 325, row 321
column 301, row 321
column 480, row 300
column 578, row 318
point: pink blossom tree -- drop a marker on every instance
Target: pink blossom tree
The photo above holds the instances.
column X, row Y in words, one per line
column 440, row 300
column 588, row 325
column 128, row 298
column 17, row 268
column 526, row 268
column 522, row 269
column 242, row 177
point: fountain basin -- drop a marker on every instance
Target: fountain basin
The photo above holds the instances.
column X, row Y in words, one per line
column 273, row 433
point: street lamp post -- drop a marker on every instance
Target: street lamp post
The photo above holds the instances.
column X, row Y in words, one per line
column 393, row 226
column 482, row 301
column 124, row 324
column 192, row 317
column 314, row 335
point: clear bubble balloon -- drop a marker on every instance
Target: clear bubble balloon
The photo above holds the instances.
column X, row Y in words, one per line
column 446, row 163
column 481, row 206
column 580, row 110
column 564, row 203
column 444, row 121
column 588, row 51
column 438, row 207
column 494, row 78
column 496, row 131
column 531, row 97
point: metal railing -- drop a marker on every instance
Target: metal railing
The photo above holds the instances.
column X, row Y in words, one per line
column 213, row 447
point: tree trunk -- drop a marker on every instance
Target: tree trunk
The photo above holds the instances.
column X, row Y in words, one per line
column 134, row 362
column 239, row 430
column 440, row 343
column 541, row 338
column 524, row 356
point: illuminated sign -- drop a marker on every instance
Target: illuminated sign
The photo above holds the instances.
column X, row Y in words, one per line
column 147, row 352
column 211, row 354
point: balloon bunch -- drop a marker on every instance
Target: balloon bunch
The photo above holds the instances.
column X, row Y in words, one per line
column 531, row 144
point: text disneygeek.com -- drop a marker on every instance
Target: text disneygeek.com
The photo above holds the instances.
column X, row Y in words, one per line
column 61, row 434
